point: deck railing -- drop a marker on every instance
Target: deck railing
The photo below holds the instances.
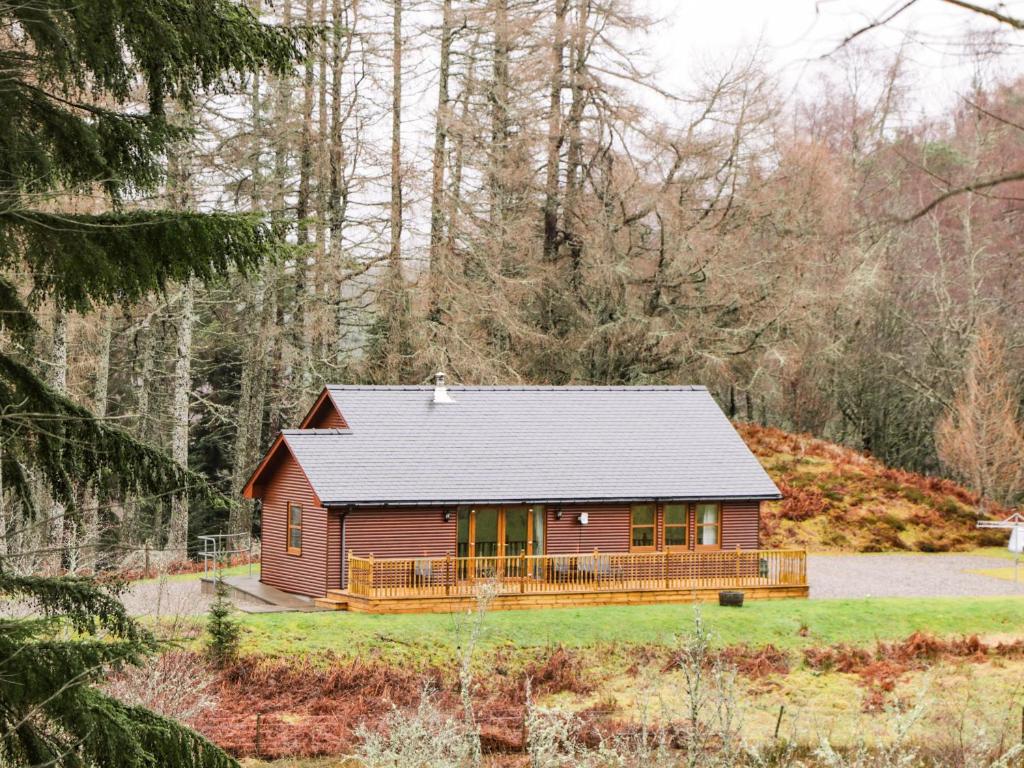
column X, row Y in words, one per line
column 596, row 571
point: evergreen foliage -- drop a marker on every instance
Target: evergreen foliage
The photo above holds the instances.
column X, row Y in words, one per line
column 223, row 628
column 83, row 89
column 51, row 712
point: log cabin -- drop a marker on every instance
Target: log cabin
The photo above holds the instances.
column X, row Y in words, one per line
column 411, row 498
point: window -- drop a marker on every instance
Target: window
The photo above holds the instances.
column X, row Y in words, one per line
column 642, row 528
column 709, row 526
column 294, row 529
column 676, row 519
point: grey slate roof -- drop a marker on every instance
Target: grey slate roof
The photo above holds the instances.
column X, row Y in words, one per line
column 529, row 444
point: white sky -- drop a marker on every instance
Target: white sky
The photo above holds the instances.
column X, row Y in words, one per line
column 796, row 33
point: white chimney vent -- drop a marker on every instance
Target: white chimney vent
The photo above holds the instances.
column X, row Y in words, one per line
column 440, row 390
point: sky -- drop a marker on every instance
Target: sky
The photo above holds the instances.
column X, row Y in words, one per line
column 797, row 35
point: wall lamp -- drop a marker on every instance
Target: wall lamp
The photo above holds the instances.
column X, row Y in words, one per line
column 447, row 514
column 584, row 518
column 558, row 513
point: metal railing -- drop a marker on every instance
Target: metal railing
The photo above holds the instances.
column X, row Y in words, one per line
column 596, row 571
column 218, row 550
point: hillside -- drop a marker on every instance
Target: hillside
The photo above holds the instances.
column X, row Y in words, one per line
column 837, row 499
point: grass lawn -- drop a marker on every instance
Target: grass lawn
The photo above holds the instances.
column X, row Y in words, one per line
column 785, row 623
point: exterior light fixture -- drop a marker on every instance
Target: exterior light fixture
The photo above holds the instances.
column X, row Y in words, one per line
column 447, row 515
column 558, row 513
column 584, row 518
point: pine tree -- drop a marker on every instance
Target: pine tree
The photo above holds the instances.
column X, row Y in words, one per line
column 221, row 626
column 51, row 711
column 70, row 75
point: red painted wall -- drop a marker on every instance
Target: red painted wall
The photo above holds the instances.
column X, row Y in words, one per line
column 395, row 532
column 305, row 573
column 329, row 535
column 741, row 524
column 607, row 528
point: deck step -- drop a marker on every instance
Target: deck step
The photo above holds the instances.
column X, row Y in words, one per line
column 331, row 603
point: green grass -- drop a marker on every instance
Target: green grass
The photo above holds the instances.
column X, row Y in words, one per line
column 1001, row 552
column 433, row 637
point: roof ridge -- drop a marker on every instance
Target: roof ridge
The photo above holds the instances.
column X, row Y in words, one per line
column 318, row 431
column 523, row 387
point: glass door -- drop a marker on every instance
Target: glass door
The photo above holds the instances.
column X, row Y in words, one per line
column 517, row 531
column 486, row 532
column 497, row 532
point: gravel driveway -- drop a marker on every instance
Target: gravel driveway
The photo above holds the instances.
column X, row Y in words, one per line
column 920, row 575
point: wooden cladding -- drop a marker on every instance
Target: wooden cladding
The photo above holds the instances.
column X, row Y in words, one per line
column 304, row 572
column 677, row 526
column 448, row 576
column 389, row 533
column 325, row 537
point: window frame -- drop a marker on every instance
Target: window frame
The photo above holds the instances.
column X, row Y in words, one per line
column 717, row 525
column 288, row 528
column 685, row 525
column 653, row 525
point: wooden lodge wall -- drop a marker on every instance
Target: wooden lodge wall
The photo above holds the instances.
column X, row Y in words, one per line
column 306, row 572
column 329, row 535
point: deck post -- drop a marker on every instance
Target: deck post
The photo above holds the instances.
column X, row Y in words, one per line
column 522, row 572
column 447, row 574
column 664, row 565
column 737, row 565
column 370, row 591
column 597, row 574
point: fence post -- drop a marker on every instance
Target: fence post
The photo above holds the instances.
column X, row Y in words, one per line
column 145, row 571
column 256, row 747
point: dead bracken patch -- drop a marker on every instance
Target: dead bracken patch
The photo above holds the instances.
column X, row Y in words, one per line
column 835, row 498
column 881, row 669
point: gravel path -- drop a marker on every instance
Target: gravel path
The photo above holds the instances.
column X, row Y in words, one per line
column 169, row 598
column 920, row 575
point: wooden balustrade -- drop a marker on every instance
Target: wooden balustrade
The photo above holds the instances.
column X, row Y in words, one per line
column 595, row 571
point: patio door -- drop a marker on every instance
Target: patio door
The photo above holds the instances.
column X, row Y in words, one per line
column 500, row 531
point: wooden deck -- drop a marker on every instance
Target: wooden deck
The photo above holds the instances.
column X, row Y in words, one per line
column 445, row 584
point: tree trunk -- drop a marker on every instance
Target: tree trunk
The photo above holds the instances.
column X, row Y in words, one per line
column 437, row 239
column 89, row 536
column 499, row 149
column 177, row 529
column 305, row 306
column 554, row 133
column 574, row 131
column 57, row 378
column 395, row 252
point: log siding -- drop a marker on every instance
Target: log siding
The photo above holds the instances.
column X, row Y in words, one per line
column 384, row 533
column 305, row 573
